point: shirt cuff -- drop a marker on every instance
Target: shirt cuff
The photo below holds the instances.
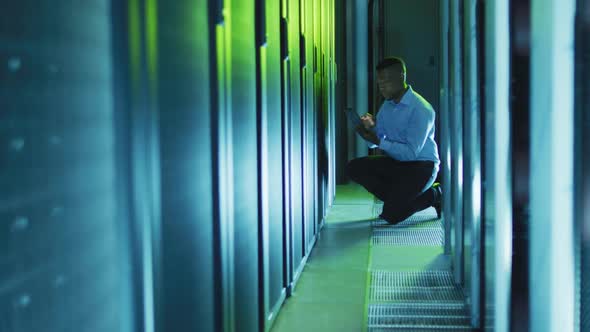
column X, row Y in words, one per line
column 384, row 144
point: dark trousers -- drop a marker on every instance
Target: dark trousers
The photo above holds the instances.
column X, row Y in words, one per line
column 398, row 184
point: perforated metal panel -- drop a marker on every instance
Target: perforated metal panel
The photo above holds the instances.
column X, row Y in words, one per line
column 418, row 317
column 412, row 279
column 416, row 301
column 416, row 287
column 416, row 329
column 417, row 295
column 407, row 236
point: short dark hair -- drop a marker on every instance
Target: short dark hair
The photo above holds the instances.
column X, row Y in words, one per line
column 390, row 62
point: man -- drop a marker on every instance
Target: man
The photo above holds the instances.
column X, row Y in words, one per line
column 404, row 130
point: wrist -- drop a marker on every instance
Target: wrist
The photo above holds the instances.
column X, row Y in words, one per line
column 376, row 140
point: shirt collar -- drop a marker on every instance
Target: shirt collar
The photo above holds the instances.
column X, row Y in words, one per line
column 406, row 99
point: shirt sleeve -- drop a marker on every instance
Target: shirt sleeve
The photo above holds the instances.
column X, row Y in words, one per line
column 408, row 148
column 371, row 145
column 377, row 130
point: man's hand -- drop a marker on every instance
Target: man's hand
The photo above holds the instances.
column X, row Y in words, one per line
column 367, row 134
column 368, row 121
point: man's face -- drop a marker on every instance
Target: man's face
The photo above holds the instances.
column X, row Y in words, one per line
column 389, row 81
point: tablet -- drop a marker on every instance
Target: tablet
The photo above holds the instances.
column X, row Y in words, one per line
column 353, row 117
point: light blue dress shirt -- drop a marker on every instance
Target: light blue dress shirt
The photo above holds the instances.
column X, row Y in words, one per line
column 406, row 129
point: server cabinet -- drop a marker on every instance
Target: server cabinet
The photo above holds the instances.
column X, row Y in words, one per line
column 340, row 96
column 520, row 52
column 295, row 137
column 323, row 116
column 498, row 203
column 186, row 270
column 135, row 90
column 286, row 145
column 320, row 153
column 456, row 83
column 582, row 165
column 64, row 245
column 308, row 128
column 445, row 123
column 551, row 266
column 271, row 152
column 223, row 192
column 332, row 78
column 472, row 161
column 241, row 100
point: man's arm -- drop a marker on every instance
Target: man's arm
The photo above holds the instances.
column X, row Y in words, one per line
column 420, row 123
column 367, row 129
column 368, row 134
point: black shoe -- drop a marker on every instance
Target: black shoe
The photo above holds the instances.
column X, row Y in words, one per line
column 437, row 199
column 388, row 220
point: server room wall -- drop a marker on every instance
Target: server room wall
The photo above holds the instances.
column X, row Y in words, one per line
column 241, row 107
column 472, row 169
column 59, row 149
column 520, row 49
column 497, row 204
column 294, row 135
column 273, row 226
column 162, row 170
column 312, row 21
column 444, row 120
column 582, row 165
column 551, row 251
column 456, row 124
column 64, row 249
column 184, row 260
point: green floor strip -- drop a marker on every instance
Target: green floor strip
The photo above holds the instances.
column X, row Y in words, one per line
column 331, row 292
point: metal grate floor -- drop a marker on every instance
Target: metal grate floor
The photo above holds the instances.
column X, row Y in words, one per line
column 411, row 279
column 416, row 301
column 415, row 287
column 408, row 328
column 417, row 317
column 394, row 236
column 424, row 295
column 414, row 329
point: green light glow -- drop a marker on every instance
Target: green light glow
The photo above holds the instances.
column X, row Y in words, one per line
column 285, row 11
column 264, row 73
column 134, row 28
column 220, row 44
column 302, row 16
column 151, row 14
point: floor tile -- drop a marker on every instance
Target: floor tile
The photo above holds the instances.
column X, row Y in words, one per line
column 352, row 194
column 321, row 317
column 344, row 238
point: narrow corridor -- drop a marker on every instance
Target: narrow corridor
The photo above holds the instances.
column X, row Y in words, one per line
column 181, row 166
column 366, row 275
